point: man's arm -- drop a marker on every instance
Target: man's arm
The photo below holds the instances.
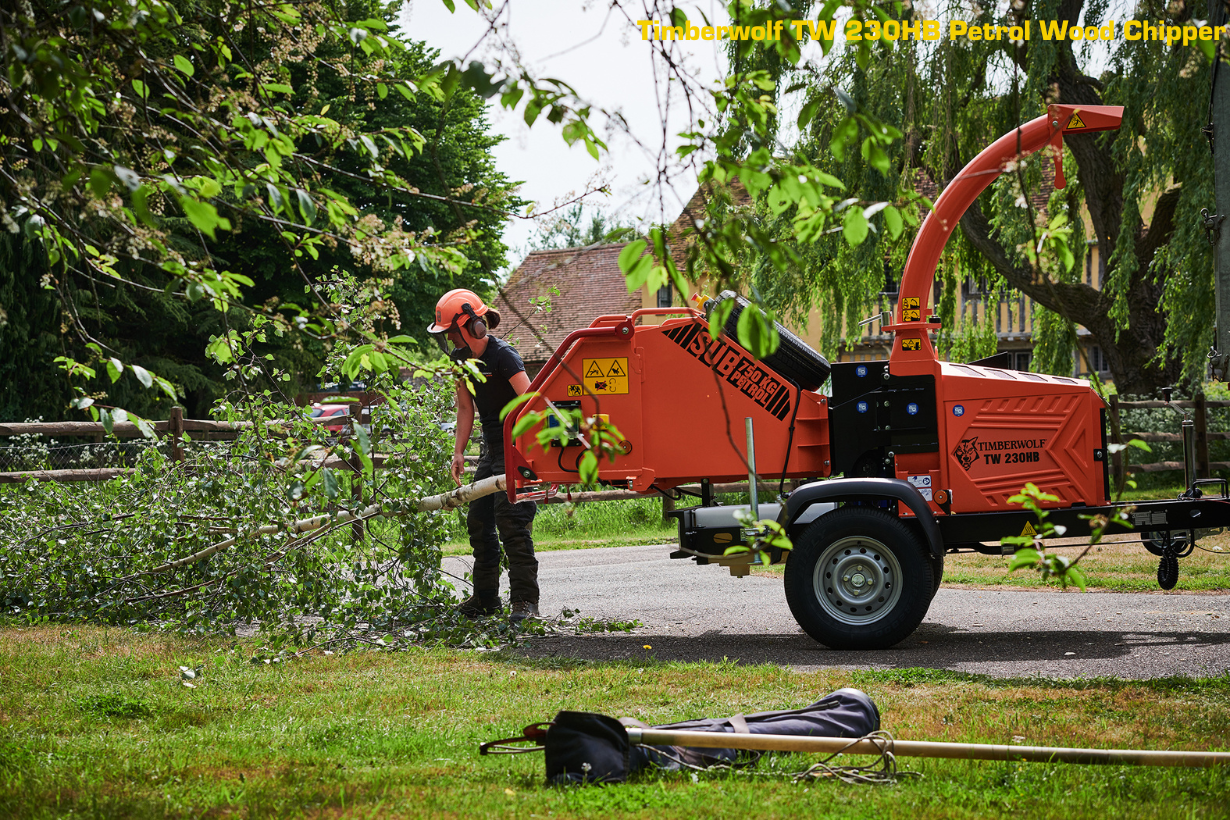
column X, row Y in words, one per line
column 465, row 426
column 520, row 381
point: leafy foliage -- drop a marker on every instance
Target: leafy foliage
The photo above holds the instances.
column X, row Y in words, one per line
column 169, row 164
column 1136, row 193
column 115, row 553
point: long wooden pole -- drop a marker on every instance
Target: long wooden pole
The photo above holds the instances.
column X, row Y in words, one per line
column 919, row 748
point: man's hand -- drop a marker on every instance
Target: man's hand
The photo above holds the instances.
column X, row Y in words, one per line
column 457, row 467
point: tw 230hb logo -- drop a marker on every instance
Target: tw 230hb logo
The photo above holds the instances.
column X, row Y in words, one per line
column 1008, row 451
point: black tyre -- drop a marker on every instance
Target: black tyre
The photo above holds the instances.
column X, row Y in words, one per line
column 937, row 571
column 859, row 579
column 793, row 359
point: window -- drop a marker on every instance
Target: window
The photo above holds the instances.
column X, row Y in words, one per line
column 665, row 296
column 1021, row 361
column 1097, row 361
column 976, row 286
column 890, row 283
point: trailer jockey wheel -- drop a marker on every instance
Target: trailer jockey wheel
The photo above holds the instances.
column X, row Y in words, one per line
column 858, row 578
column 1156, row 542
column 1168, row 568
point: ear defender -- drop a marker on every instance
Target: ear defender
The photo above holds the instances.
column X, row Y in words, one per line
column 478, row 328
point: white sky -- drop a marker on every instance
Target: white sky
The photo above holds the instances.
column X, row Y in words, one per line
column 609, row 66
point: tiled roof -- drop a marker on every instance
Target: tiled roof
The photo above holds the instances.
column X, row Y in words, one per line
column 590, row 285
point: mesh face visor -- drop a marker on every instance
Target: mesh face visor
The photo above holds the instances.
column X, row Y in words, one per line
column 441, row 338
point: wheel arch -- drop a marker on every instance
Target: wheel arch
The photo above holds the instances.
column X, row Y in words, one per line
column 860, row 489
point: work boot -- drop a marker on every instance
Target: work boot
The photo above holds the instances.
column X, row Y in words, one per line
column 477, row 607
column 521, row 610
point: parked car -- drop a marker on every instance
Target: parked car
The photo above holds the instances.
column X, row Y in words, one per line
column 328, row 411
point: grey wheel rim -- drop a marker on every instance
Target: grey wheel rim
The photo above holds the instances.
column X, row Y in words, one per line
column 857, row 580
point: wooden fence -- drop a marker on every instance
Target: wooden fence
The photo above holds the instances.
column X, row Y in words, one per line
column 173, row 429
column 1199, row 407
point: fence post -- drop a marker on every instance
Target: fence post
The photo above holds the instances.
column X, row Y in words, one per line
column 668, row 505
column 1116, row 432
column 356, row 481
column 175, row 430
column 1202, row 436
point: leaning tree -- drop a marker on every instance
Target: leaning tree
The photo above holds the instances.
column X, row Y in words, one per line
column 1136, row 192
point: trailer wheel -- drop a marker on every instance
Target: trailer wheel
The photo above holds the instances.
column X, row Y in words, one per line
column 859, row 579
column 937, row 571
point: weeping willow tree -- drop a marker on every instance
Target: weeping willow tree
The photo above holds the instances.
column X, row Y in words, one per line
column 1136, row 192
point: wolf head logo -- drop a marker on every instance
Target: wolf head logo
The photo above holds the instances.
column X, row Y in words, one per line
column 966, row 452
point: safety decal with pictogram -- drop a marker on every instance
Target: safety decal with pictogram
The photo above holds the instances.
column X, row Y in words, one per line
column 605, row 375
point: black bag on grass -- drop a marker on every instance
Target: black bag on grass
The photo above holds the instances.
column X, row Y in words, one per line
column 844, row 713
column 584, row 747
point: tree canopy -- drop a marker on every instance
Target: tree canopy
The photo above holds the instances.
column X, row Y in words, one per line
column 1140, row 189
column 168, row 170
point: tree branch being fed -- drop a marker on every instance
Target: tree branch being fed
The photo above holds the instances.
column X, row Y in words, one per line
column 443, row 501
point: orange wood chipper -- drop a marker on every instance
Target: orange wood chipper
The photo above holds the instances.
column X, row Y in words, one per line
column 930, row 451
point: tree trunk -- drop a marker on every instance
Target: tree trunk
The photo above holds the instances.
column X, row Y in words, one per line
column 1130, row 352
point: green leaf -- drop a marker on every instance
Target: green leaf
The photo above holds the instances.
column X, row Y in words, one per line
column 1209, row 49
column 382, row 90
column 100, row 182
column 875, row 156
column 515, row 403
column 185, row 67
column 631, row 253
column 203, row 216
column 718, row 317
column 810, row 109
column 854, row 226
column 306, row 206
column 843, row 135
column 892, row 221
column 114, row 369
column 588, row 468
column 525, row 424
column 104, row 415
column 142, row 375
column 756, row 332
column 1024, row 558
column 330, row 482
column 365, row 443
column 778, row 200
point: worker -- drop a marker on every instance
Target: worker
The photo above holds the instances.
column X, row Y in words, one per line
column 463, row 319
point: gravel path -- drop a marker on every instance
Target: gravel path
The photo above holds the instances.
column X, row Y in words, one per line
column 702, row 613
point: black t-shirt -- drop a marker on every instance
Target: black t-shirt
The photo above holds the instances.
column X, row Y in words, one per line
column 499, row 363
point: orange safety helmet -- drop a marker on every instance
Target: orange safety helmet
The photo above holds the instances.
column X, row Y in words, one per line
column 457, row 307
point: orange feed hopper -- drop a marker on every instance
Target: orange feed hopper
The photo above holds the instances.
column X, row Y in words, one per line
column 680, row 418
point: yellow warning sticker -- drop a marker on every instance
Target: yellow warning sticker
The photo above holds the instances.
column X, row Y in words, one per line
column 911, row 344
column 605, row 375
column 910, row 302
column 1029, row 529
column 911, row 315
column 575, row 390
column 1076, row 121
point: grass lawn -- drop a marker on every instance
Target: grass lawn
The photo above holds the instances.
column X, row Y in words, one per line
column 97, row 722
